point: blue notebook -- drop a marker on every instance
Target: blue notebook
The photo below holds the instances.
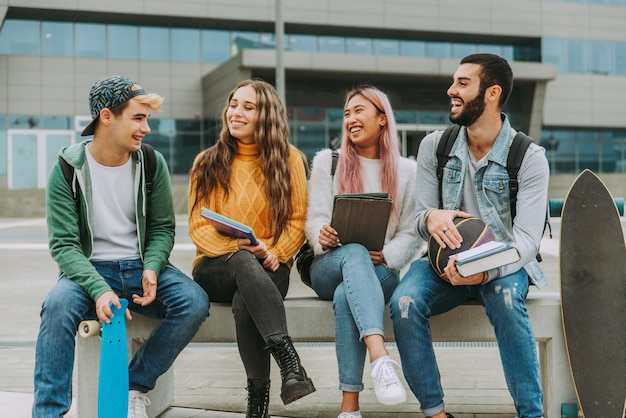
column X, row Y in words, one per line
column 229, row 227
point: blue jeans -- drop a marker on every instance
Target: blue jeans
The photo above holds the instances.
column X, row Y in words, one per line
column 421, row 293
column 180, row 303
column 359, row 291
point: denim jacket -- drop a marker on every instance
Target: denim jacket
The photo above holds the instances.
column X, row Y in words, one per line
column 492, row 193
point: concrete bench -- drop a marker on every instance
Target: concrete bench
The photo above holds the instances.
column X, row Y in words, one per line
column 312, row 320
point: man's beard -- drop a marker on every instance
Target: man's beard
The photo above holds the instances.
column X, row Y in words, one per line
column 472, row 110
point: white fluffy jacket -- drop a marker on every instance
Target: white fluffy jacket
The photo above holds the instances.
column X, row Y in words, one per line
column 401, row 240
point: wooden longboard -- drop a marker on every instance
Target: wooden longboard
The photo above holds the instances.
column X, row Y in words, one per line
column 593, row 293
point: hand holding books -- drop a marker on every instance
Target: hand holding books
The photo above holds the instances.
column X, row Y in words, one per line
column 229, row 227
column 485, row 257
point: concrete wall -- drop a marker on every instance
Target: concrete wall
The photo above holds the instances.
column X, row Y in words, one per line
column 54, row 86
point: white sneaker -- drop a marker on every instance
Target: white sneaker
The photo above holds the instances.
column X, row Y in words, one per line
column 355, row 414
column 388, row 387
column 137, row 402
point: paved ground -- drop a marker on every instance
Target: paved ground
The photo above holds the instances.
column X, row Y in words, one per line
column 207, row 374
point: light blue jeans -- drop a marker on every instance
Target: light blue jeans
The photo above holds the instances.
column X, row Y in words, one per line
column 421, row 294
column 359, row 291
column 180, row 303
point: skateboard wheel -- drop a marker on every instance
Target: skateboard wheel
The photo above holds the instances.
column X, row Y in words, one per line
column 569, row 410
column 619, row 202
column 555, row 208
column 89, row 329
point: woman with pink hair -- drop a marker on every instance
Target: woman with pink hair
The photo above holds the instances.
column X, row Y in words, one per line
column 358, row 281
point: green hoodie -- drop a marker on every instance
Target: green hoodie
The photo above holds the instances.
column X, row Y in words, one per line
column 70, row 237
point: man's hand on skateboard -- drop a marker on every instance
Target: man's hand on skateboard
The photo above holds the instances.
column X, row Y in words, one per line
column 103, row 306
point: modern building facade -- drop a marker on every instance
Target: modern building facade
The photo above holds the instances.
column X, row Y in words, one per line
column 568, row 57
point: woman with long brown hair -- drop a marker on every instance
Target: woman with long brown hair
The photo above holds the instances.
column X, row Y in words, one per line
column 254, row 176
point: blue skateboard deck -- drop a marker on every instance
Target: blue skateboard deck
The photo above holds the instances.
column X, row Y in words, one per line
column 593, row 286
column 113, row 377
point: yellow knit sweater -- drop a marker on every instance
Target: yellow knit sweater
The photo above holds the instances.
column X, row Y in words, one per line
column 247, row 203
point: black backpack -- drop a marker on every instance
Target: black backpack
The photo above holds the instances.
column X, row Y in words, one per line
column 518, row 148
column 149, row 165
column 305, row 255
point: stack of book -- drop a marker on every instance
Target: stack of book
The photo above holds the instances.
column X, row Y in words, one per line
column 485, row 257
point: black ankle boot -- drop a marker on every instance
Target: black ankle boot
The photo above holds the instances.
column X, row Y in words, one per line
column 296, row 383
column 258, row 401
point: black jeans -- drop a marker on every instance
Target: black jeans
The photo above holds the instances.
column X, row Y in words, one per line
column 257, row 298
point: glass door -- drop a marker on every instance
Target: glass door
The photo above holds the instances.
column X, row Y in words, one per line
column 31, row 154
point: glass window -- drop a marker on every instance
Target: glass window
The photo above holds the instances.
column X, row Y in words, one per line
column 434, row 118
column 578, row 56
column 23, row 122
column 620, row 58
column 241, row 40
column 24, row 156
column 332, row 44
column 601, row 57
column 359, row 46
column 489, row 49
column 386, row 47
column 122, row 42
column 215, row 45
column 19, row 37
column 57, row 39
column 90, row 40
column 185, row 45
column 588, row 155
column 508, row 53
column 57, row 122
column 405, row 116
column 334, row 114
column 183, row 153
column 154, row 43
column 267, row 41
column 462, row 50
column 413, row 48
column 307, row 43
column 308, row 137
column 611, row 151
column 565, row 154
column 3, row 145
column 438, row 50
column 553, row 51
column 526, row 53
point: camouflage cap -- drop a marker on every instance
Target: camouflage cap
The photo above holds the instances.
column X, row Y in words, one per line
column 109, row 92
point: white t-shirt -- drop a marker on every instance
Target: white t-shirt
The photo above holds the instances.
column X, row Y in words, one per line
column 470, row 201
column 370, row 174
column 113, row 206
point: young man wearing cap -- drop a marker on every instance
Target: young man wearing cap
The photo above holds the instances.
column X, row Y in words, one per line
column 113, row 244
column 475, row 183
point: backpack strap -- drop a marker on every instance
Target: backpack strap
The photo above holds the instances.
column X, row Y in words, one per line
column 149, row 165
column 333, row 167
column 520, row 144
column 68, row 173
column 444, row 147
